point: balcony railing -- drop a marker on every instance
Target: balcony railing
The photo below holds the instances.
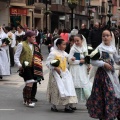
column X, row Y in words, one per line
column 29, row 2
column 18, row 1
column 4, row 0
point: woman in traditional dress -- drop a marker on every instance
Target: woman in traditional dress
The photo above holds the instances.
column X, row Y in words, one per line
column 4, row 55
column 79, row 69
column 19, row 34
column 104, row 102
column 61, row 89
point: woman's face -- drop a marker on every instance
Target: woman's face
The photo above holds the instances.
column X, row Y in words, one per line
column 106, row 37
column 77, row 41
column 18, row 29
column 62, row 46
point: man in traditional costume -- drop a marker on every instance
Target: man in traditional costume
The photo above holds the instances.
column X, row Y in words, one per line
column 28, row 59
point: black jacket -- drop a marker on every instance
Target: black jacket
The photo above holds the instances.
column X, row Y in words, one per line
column 85, row 33
column 95, row 37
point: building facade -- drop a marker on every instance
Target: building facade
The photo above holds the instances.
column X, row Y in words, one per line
column 61, row 14
column 4, row 12
column 28, row 13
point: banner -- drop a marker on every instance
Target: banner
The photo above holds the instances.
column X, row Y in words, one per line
column 18, row 11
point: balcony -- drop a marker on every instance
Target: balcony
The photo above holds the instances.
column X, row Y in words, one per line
column 4, row 0
column 29, row 2
column 40, row 5
column 95, row 3
column 18, row 2
column 79, row 9
column 66, row 9
column 58, row 8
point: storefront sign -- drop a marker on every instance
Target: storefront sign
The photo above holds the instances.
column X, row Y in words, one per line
column 18, row 11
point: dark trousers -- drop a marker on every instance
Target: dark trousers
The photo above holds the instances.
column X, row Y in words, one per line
column 49, row 47
column 34, row 90
column 11, row 50
column 27, row 94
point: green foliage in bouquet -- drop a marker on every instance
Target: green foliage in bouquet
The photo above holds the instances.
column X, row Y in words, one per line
column 93, row 55
column 55, row 63
column 90, row 50
column 7, row 41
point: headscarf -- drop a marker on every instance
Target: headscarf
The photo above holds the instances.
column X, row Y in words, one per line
column 2, row 34
column 55, row 46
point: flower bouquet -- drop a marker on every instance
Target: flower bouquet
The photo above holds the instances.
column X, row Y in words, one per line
column 94, row 55
column 7, row 40
column 55, row 63
column 24, row 66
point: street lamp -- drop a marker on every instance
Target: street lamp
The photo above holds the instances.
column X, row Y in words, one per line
column 47, row 12
column 72, row 5
column 109, row 12
column 101, row 18
column 89, row 12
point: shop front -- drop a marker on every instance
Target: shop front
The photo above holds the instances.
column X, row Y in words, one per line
column 18, row 16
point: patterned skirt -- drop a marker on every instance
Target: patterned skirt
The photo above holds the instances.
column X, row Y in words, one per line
column 102, row 103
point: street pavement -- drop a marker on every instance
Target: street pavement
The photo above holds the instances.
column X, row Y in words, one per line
column 11, row 107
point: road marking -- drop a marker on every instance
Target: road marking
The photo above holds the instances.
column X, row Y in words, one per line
column 7, row 109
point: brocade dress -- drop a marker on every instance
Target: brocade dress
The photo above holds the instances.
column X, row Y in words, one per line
column 104, row 102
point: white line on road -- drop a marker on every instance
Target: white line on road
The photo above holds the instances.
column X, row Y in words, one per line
column 7, row 109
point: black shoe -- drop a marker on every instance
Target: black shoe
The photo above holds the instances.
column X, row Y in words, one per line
column 73, row 108
column 34, row 100
column 54, row 109
column 68, row 110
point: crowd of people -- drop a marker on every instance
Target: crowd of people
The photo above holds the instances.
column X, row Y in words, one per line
column 70, row 72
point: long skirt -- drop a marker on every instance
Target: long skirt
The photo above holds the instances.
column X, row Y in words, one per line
column 54, row 95
column 82, row 94
column 102, row 103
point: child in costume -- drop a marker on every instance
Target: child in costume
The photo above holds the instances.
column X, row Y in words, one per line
column 28, row 59
column 79, row 69
column 104, row 102
column 61, row 89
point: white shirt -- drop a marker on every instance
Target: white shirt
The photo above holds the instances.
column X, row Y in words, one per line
column 18, row 53
column 13, row 41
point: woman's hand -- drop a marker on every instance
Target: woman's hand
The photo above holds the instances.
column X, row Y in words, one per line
column 82, row 61
column 20, row 68
column 108, row 66
column 57, row 70
column 88, row 69
column 3, row 45
column 73, row 59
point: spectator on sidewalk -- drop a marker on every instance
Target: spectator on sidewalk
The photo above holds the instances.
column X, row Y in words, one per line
column 84, row 31
column 95, row 36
